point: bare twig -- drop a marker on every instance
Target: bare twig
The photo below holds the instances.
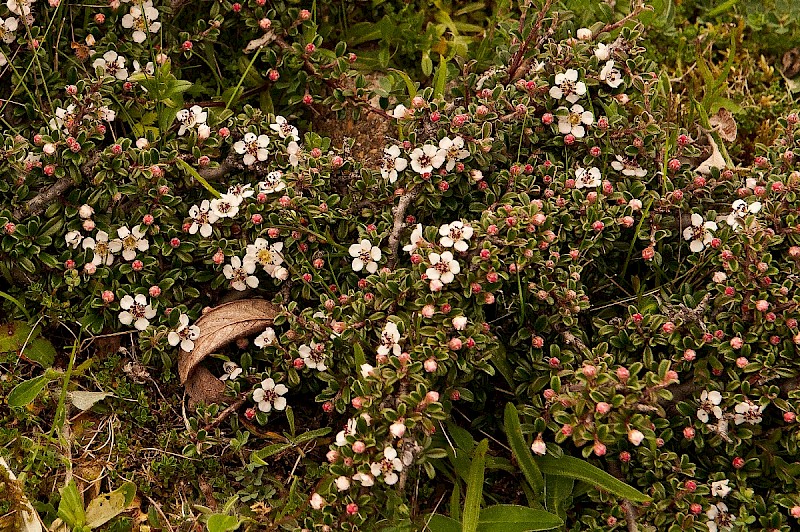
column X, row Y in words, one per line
column 618, row 24
column 627, row 507
column 399, row 223
column 227, row 412
column 39, row 203
column 516, row 61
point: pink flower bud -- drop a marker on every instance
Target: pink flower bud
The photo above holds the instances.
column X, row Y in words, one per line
column 602, row 408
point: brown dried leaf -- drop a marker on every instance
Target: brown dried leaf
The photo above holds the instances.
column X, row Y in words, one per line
column 219, row 327
column 725, row 125
column 791, row 63
column 714, row 161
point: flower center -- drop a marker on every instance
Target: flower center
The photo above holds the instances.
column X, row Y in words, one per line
column 387, row 466
column 456, row 233
column 224, row 207
column 424, row 161
column 698, row 232
column 264, row 256
column 441, row 267
column 365, row 256
column 139, row 24
column 270, row 396
column 239, row 275
column 137, row 310
column 201, row 218
column 129, row 242
column 101, row 248
column 567, row 87
column 574, row 119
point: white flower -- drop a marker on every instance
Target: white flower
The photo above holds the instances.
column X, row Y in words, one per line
column 266, row 338
column 740, row 210
column 273, row 183
column 401, row 111
column 392, row 163
column 313, row 356
column 284, row 129
column 253, row 147
column 142, row 18
column 629, row 167
column 749, row 412
column 454, row 151
column 317, row 502
column 342, row 483
column 73, row 239
column 20, row 7
column 602, row 52
column 389, row 338
column 113, row 64
column 268, row 396
column 588, row 178
column 719, row 277
column 397, row 429
column 443, row 267
column 720, row 488
column 349, row 430
column 3, row 59
column 133, row 240
column 584, row 34
column 366, row 256
column 232, row 371
column 190, row 118
column 367, row 370
column 184, row 334
column 635, row 437
column 103, row 249
column 611, row 75
column 426, row 158
column 455, row 235
column 137, row 311
column 226, row 206
column 539, row 446
column 293, row 150
column 365, row 479
column 148, row 69
column 416, row 240
column 241, row 191
column 699, row 233
column 718, row 518
column 567, row 86
column 709, row 402
column 388, row 466
column 240, row 273
column 7, row 29
column 267, row 255
column 573, row 120
column 202, row 218
column 64, row 118
column 460, row 323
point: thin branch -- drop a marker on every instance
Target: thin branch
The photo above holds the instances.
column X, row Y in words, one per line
column 516, row 61
column 399, row 223
column 627, row 507
column 40, row 202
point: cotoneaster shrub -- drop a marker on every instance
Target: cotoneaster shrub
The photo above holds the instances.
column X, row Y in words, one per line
column 537, row 232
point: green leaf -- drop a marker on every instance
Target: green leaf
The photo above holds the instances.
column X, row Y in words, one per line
column 86, row 400
column 192, row 172
column 222, row 523
column 556, row 492
column 514, row 518
column 440, row 79
column 311, row 435
column 41, row 351
column 568, row 466
column 107, row 506
column 70, row 509
column 472, row 501
column 441, row 523
column 427, row 64
column 521, row 451
column 258, row 457
column 290, row 418
column 26, row 391
column 410, row 85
